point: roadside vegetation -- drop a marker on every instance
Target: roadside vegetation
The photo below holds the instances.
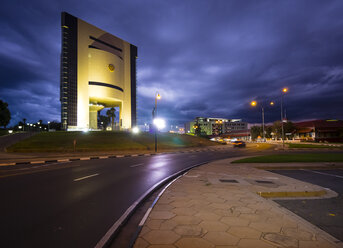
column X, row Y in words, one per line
column 105, row 141
column 313, row 146
column 3, row 132
column 287, row 158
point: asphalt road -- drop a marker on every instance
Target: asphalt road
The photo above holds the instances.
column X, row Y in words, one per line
column 74, row 204
column 327, row 214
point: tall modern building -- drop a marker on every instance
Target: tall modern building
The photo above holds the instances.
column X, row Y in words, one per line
column 98, row 70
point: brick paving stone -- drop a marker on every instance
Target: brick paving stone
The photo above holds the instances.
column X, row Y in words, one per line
column 244, row 210
column 244, row 232
column 281, row 240
column 221, row 238
column 184, row 211
column 265, row 227
column 186, row 220
column 215, row 226
column 161, row 237
column 161, row 215
column 145, row 230
column 161, row 246
column 221, row 205
column 188, row 230
column 298, row 234
column 207, row 216
column 315, row 244
column 168, row 225
column 153, row 224
column 162, row 207
column 193, row 242
column 226, row 212
column 285, row 222
column 234, row 221
column 253, row 217
column 180, row 204
column 165, row 200
column 215, row 199
column 141, row 243
column 253, row 243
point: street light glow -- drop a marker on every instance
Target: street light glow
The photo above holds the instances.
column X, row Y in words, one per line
column 159, row 123
column 158, row 96
column 271, row 103
column 253, row 103
column 284, row 90
column 135, row 130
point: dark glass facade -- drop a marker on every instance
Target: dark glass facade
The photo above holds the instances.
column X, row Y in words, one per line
column 68, row 92
column 133, row 57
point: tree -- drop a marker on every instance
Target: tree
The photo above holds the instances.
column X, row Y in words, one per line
column 289, row 127
column 255, row 131
column 5, row 114
column 277, row 129
column 111, row 113
column 54, row 125
column 24, row 121
column 104, row 120
column 268, row 130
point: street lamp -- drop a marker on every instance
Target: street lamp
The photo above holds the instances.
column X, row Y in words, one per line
column 254, row 103
column 154, row 115
column 48, row 126
column 284, row 91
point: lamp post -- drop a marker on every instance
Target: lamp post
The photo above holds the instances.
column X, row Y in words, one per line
column 254, row 103
column 48, row 126
column 284, row 91
column 154, row 115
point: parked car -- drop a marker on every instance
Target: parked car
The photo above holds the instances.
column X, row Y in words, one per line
column 238, row 143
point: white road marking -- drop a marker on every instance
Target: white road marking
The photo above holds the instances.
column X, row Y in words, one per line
column 135, row 165
column 85, row 158
column 102, row 157
column 134, row 155
column 81, row 178
column 119, row 156
column 323, row 173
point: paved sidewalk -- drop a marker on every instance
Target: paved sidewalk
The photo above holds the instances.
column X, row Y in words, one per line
column 217, row 205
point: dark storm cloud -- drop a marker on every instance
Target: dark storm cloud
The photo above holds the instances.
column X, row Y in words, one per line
column 206, row 58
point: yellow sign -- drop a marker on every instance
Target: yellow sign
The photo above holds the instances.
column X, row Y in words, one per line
column 111, row 67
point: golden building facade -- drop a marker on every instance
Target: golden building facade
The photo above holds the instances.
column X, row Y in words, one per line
column 98, row 70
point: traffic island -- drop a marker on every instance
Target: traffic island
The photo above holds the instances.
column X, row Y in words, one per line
column 218, row 205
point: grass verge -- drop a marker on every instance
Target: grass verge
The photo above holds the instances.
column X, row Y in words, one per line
column 312, row 146
column 3, row 132
column 104, row 141
column 287, row 158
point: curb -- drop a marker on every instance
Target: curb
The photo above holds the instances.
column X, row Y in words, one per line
column 111, row 233
column 101, row 157
column 292, row 194
column 328, row 167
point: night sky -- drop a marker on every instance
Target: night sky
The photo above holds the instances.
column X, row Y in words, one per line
column 205, row 57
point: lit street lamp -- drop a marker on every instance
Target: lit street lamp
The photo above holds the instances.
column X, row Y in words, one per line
column 154, row 115
column 284, row 91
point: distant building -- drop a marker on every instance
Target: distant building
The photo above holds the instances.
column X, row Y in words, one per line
column 319, row 130
column 98, row 70
column 215, row 126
